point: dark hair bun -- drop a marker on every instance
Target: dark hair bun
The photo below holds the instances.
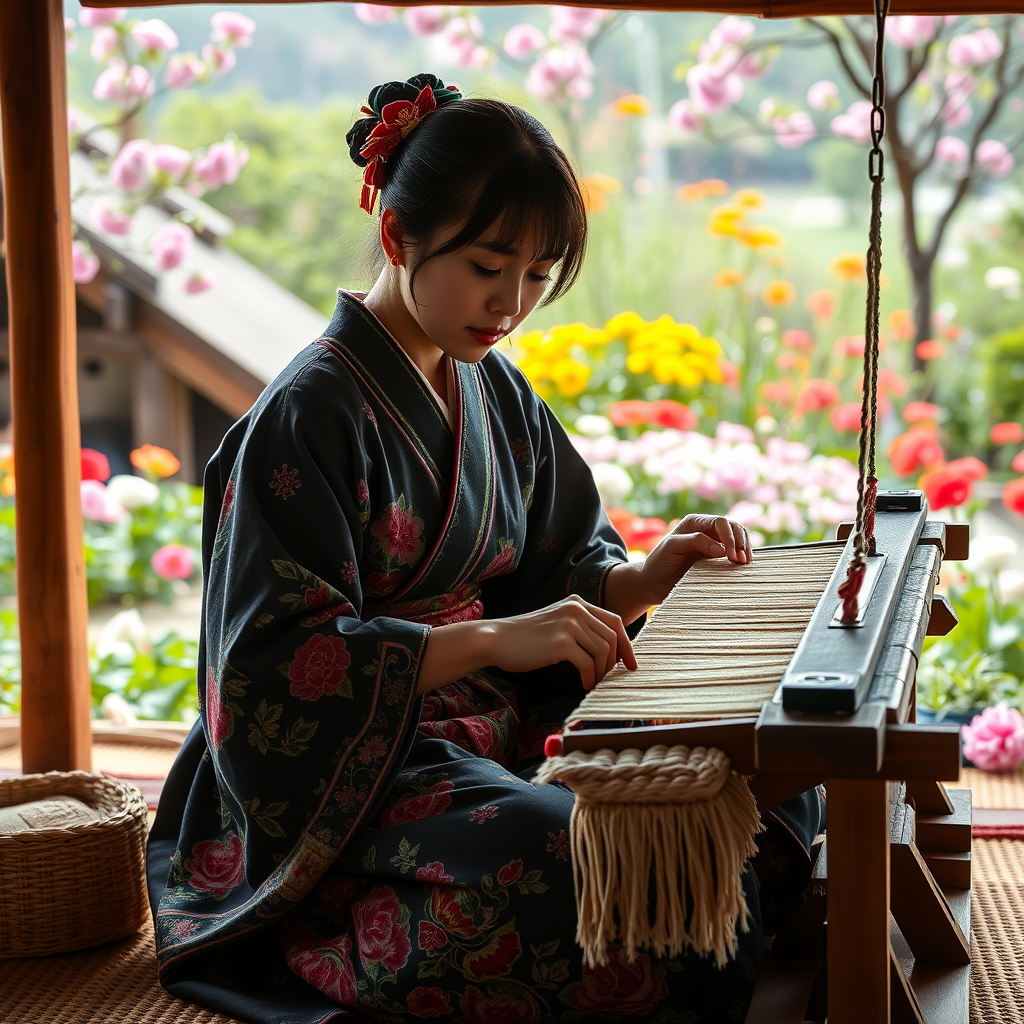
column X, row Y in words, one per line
column 382, row 95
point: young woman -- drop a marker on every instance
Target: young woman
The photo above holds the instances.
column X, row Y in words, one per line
column 409, row 582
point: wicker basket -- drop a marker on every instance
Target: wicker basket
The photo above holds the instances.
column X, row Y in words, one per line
column 63, row 889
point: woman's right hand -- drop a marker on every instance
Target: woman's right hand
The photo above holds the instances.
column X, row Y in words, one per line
column 574, row 630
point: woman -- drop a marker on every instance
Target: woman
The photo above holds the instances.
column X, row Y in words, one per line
column 409, row 582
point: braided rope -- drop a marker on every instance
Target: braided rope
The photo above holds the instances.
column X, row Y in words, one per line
column 867, row 482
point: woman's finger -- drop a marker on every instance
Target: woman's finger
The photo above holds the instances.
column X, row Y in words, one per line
column 621, row 647
column 587, row 635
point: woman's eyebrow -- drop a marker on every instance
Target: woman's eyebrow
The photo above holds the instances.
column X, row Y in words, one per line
column 498, row 248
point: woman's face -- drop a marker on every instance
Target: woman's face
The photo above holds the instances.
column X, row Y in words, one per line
column 467, row 301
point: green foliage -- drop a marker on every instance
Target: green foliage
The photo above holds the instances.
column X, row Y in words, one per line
column 10, row 663
column 1002, row 376
column 957, row 687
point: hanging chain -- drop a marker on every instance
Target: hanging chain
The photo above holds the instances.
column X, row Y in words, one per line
column 867, row 483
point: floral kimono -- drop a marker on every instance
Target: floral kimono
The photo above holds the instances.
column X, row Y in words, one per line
column 329, row 845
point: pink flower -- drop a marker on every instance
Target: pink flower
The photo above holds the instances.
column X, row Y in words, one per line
column 173, row 562
column 170, row 160
column 219, row 59
column 793, row 131
column 182, row 70
column 815, row 396
column 88, row 16
column 557, row 68
column 733, row 433
column 104, row 43
column 995, row 158
column 419, row 806
column 522, row 40
column 921, row 412
column 574, row 24
column 994, row 740
column 130, row 169
column 433, row 872
column 974, row 49
column 218, row 717
column 632, row 989
column 84, row 263
column 232, row 28
column 426, row 21
column 374, row 14
column 846, row 417
column 327, row 966
column 751, row 66
column 154, row 35
column 171, row 244
column 462, row 41
column 683, row 117
column 730, row 31
column 99, row 506
column 959, row 87
column 217, row 867
column 823, row 95
column 850, row 345
column 320, row 667
column 122, row 84
column 380, row 937
column 801, row 340
column 855, row 123
column 951, row 150
column 220, row 164
column 908, row 31
column 199, row 281
column 711, row 92
column 113, row 222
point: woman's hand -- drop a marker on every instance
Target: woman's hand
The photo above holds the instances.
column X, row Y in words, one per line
column 572, row 630
column 632, row 588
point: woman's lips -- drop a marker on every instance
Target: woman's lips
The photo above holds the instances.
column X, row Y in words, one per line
column 487, row 335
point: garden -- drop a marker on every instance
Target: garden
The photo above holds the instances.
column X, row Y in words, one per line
column 710, row 357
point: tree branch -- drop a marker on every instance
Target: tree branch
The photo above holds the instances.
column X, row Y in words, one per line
column 837, row 45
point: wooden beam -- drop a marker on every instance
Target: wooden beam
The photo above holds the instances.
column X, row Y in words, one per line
column 754, row 8
column 55, row 714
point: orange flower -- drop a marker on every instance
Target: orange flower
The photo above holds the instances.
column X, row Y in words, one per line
column 728, row 278
column 155, row 461
column 891, row 384
column 1006, row 433
column 632, row 105
column 761, row 236
column 918, row 448
column 969, row 468
column 634, row 410
column 929, row 349
column 846, row 417
column 921, row 412
column 668, row 413
column 815, row 396
column 780, row 391
column 945, row 487
column 901, row 323
column 848, row 268
column 726, row 221
column 596, row 189
column 714, row 187
column 1013, row 496
column 730, row 372
column 751, row 197
column 778, row 293
column 821, row 303
column 690, row 193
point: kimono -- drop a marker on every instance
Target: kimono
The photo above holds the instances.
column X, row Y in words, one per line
column 328, row 844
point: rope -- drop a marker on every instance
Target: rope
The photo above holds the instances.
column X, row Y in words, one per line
column 867, row 482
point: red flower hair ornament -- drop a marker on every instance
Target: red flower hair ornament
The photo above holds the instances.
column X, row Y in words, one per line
column 397, row 119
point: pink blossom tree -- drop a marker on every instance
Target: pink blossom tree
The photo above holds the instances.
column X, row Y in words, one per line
column 140, row 59
column 948, row 81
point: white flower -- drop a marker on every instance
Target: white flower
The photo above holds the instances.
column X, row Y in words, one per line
column 594, row 426
column 1011, row 586
column 117, row 710
column 132, row 491
column 991, row 553
column 614, row 484
column 1006, row 280
column 124, row 630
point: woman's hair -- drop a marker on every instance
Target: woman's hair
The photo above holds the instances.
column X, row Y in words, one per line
column 478, row 163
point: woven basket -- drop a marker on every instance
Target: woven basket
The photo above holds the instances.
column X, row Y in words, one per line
column 63, row 889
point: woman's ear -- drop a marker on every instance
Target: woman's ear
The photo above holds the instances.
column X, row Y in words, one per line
column 391, row 236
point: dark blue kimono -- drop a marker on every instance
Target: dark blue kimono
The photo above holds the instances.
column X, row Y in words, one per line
column 328, row 844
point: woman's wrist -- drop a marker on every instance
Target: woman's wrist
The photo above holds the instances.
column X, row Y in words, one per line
column 454, row 651
column 626, row 591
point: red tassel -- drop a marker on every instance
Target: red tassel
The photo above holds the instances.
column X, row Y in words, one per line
column 850, row 588
column 553, row 745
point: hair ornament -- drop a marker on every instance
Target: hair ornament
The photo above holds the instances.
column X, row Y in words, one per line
column 396, row 120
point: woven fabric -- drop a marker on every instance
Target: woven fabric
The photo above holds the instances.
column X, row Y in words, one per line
column 994, row 789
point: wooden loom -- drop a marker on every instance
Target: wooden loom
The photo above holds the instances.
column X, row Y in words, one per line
column 828, row 704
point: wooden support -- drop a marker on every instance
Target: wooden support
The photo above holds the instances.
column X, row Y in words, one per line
column 162, row 412
column 44, row 388
column 859, row 980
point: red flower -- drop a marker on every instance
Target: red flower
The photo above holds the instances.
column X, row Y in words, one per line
column 427, row 1002
column 511, row 872
column 780, row 391
column 930, row 349
column 319, row 667
column 382, row 583
column 485, row 813
column 890, row 383
column 943, row 488
column 372, row 750
column 430, row 936
column 362, row 492
column 921, row 412
column 815, row 396
column 496, row 959
column 850, row 345
column 399, row 533
column 798, row 339
column 499, row 1004
column 667, row 413
column 1018, row 463
column 917, row 449
column 95, row 465
column 453, row 910
column 327, row 966
column 1013, row 496
column 379, row 935
column 423, row 805
column 504, row 561
column 628, row 989
column 217, row 867
column 969, row 468
column 434, row 872
column 1006, row 433
column 632, row 411
column 646, row 534
column 218, row 717
column 846, row 417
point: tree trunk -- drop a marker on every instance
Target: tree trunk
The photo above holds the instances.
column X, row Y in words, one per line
column 921, row 299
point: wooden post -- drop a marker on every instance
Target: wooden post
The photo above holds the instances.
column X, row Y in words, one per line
column 858, row 902
column 55, row 732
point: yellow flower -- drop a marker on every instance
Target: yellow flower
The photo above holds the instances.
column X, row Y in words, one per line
column 7, row 486
column 751, row 197
column 570, row 376
column 848, row 268
column 536, row 370
column 639, row 362
column 632, row 105
column 625, row 325
column 761, row 236
column 727, row 278
column 530, row 341
column 778, row 293
column 707, row 346
column 596, row 190
column 726, row 221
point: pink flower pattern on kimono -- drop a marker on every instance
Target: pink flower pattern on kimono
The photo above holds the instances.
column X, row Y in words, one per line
column 380, row 932
column 216, row 867
column 631, row 989
column 324, row 965
column 218, row 717
column 422, row 805
column 320, row 667
column 399, row 533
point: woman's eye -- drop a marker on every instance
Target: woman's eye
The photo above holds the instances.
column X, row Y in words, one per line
column 541, row 278
column 486, row 271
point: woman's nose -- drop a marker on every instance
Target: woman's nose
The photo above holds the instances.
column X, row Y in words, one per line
column 507, row 300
